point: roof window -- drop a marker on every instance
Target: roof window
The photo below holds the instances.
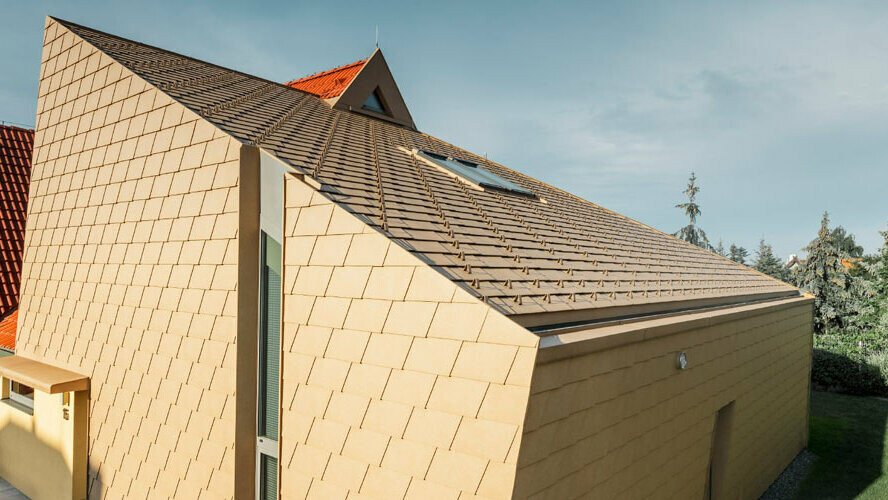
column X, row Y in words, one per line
column 374, row 103
column 472, row 173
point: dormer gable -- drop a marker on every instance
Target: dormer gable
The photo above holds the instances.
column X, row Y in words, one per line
column 366, row 87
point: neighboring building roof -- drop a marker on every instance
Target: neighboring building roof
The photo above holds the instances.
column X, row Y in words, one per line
column 522, row 255
column 15, row 173
column 7, row 331
column 330, row 83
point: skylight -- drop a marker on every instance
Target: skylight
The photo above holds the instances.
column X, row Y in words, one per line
column 374, row 103
column 473, row 173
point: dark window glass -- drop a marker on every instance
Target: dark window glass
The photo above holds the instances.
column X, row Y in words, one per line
column 268, row 484
column 475, row 173
column 22, row 390
column 374, row 103
column 270, row 338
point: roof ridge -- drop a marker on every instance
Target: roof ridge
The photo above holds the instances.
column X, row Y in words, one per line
column 68, row 24
column 327, row 72
column 23, row 129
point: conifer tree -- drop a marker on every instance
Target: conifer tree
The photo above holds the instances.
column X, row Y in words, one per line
column 836, row 293
column 877, row 270
column 767, row 263
column 691, row 233
column 738, row 254
column 720, row 249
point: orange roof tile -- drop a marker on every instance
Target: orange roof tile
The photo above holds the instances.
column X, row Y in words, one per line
column 15, row 174
column 331, row 83
column 7, row 331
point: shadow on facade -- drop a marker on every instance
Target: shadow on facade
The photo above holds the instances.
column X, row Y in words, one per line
column 31, row 465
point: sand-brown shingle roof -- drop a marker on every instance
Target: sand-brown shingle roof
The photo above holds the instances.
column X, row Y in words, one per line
column 524, row 256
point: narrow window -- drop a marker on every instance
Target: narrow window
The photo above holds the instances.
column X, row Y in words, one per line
column 269, row 366
column 374, row 103
column 268, row 475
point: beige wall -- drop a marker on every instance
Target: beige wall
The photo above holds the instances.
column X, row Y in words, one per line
column 612, row 416
column 395, row 382
column 43, row 454
column 130, row 272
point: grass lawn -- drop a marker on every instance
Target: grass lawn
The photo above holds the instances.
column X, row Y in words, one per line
column 848, row 434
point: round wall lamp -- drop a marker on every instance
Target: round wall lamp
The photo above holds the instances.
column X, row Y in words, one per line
column 681, row 360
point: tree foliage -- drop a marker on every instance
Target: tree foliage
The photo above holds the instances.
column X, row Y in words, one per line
column 846, row 243
column 876, row 269
column 691, row 233
column 836, row 292
column 767, row 263
column 738, row 254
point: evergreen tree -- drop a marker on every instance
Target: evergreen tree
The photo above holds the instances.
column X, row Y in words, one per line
column 738, row 254
column 720, row 249
column 877, row 272
column 837, row 294
column 691, row 233
column 767, row 263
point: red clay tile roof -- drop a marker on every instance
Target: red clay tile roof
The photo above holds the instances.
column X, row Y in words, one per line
column 15, row 173
column 331, row 83
column 7, row 331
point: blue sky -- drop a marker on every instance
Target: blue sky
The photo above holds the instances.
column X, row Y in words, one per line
column 779, row 107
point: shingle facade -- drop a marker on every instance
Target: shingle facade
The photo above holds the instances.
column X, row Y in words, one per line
column 129, row 272
column 429, row 342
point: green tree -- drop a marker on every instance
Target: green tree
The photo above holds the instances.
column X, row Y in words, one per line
column 876, row 269
column 738, row 254
column 767, row 263
column 837, row 294
column 846, row 243
column 691, row 233
column 720, row 249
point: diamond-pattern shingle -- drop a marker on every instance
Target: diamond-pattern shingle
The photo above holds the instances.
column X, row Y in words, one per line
column 553, row 252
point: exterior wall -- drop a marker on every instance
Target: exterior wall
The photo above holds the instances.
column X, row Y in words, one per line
column 130, row 273
column 395, row 383
column 621, row 421
column 46, row 442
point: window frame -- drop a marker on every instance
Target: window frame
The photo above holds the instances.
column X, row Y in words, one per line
column 267, row 445
column 18, row 400
column 383, row 107
column 473, row 173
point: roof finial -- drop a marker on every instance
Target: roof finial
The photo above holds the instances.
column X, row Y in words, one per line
column 377, row 36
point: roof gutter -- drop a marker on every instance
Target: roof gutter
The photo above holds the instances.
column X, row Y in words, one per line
column 696, row 306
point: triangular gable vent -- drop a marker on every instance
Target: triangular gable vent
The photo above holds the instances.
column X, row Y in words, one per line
column 374, row 103
column 372, row 89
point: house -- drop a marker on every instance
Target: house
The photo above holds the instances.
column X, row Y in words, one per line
column 15, row 171
column 247, row 289
column 794, row 263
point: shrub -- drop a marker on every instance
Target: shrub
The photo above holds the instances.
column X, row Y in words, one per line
column 850, row 361
column 846, row 372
